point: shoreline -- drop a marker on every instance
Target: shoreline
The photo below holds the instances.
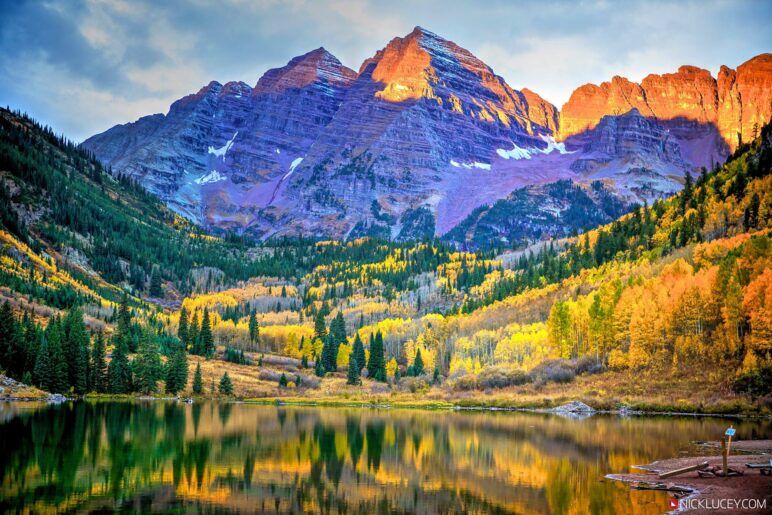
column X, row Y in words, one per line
column 430, row 405
column 689, row 485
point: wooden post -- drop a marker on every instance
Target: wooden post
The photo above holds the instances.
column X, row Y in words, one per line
column 729, row 442
column 725, row 456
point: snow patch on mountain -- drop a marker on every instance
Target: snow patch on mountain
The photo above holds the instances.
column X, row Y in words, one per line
column 469, row 166
column 211, row 177
column 526, row 153
column 220, row 152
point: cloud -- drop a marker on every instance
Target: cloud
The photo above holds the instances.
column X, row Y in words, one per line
column 83, row 65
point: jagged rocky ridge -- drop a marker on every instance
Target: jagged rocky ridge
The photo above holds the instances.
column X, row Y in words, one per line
column 412, row 144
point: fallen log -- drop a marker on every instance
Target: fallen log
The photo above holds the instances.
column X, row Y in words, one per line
column 683, row 470
column 759, row 465
column 663, row 487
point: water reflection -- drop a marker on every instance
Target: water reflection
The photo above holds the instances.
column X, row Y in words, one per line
column 230, row 457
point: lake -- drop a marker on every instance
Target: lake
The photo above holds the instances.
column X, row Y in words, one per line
column 169, row 456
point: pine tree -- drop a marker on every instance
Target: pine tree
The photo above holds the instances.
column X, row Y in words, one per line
column 206, row 338
column 320, row 329
column 330, row 354
column 12, row 356
column 198, row 381
column 57, row 376
column 358, row 352
column 193, row 334
column 98, row 379
column 155, row 282
column 147, row 366
column 177, row 372
column 43, row 371
column 377, row 366
column 254, row 330
column 417, row 368
column 119, row 370
column 338, row 329
column 436, row 377
column 319, row 367
column 182, row 327
column 226, row 386
column 353, row 371
column 304, row 361
column 75, row 347
column 283, row 381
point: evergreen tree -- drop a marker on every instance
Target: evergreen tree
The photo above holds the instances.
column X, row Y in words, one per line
column 12, row 356
column 119, row 370
column 353, row 371
column 206, row 338
column 436, row 377
column 417, row 368
column 283, row 381
column 330, row 354
column 182, row 328
column 177, row 372
column 304, row 361
column 254, row 330
column 98, row 369
column 338, row 329
column 193, row 334
column 58, row 378
column 377, row 366
column 155, row 282
column 358, row 352
column 75, row 347
column 198, row 381
column 320, row 329
column 226, row 386
column 123, row 326
column 147, row 366
column 43, row 371
column 319, row 367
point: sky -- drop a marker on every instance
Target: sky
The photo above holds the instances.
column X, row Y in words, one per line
column 82, row 66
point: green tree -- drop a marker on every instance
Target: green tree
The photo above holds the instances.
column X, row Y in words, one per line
column 330, row 354
column 75, row 341
column 353, row 376
column 376, row 368
column 358, row 352
column 338, row 329
column 198, row 381
column 254, row 330
column 98, row 370
column 119, row 369
column 147, row 366
column 182, row 327
column 320, row 329
column 194, row 331
column 319, row 367
column 177, row 371
column 417, row 368
column 283, row 380
column 226, row 386
column 155, row 282
column 58, row 377
column 12, row 356
column 206, row 345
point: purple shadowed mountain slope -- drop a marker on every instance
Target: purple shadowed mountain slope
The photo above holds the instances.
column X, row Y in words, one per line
column 407, row 147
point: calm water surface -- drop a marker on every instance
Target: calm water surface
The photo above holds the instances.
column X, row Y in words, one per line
column 167, row 456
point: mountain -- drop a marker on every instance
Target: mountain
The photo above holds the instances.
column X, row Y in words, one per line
column 708, row 115
column 419, row 138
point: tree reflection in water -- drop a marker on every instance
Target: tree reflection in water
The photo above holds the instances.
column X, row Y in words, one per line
column 236, row 457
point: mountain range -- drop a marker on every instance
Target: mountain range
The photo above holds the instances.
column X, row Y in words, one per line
column 426, row 140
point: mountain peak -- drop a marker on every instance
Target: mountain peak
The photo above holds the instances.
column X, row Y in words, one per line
column 318, row 65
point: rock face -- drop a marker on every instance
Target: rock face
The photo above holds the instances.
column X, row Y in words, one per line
column 419, row 138
column 720, row 112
